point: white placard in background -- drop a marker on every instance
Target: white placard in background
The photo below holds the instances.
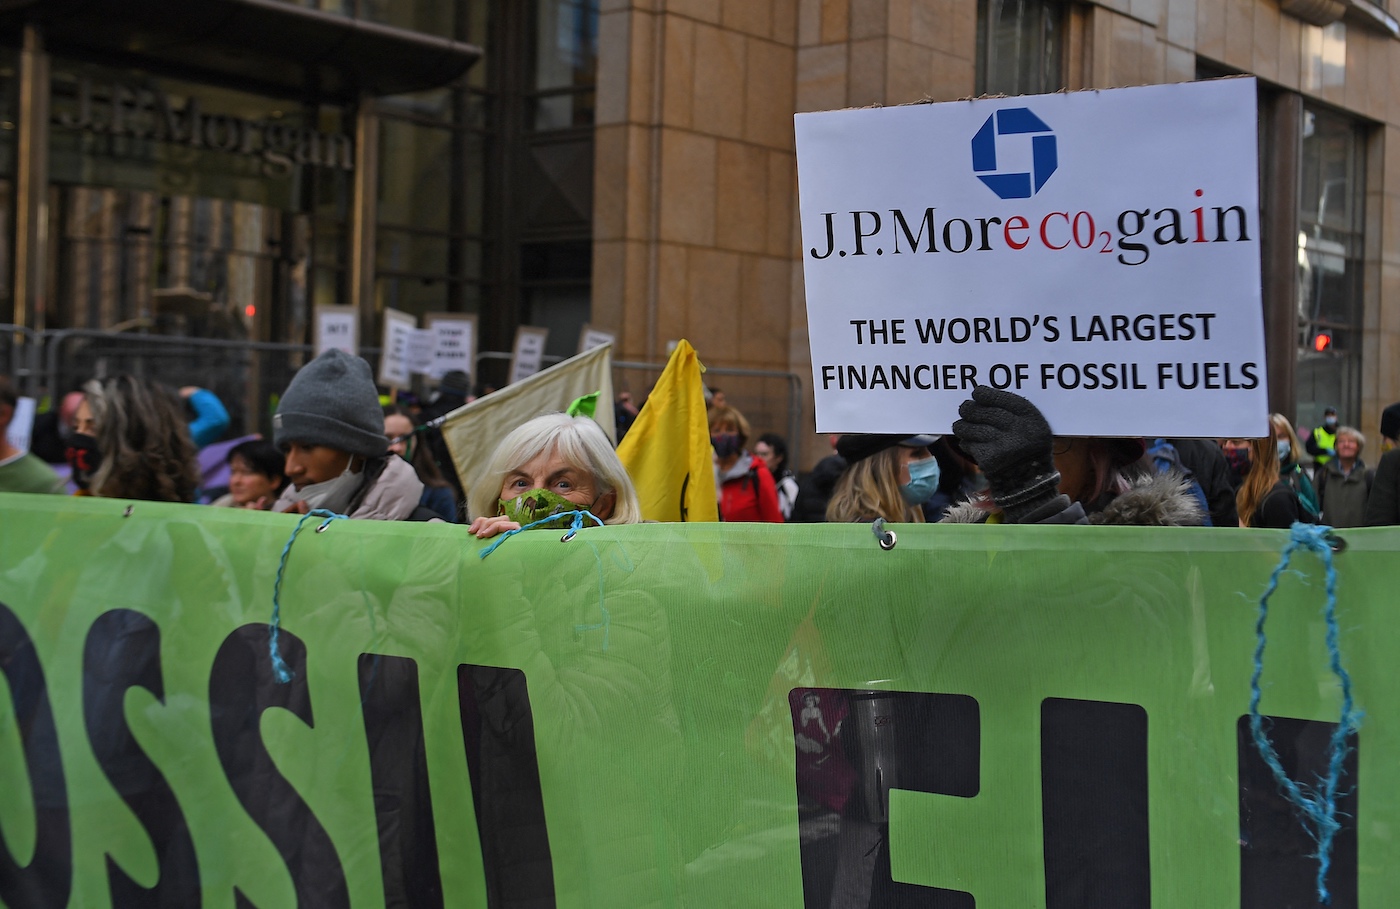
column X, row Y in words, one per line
column 21, row 428
column 395, row 365
column 1096, row 252
column 420, row 350
column 590, row 337
column 338, row 328
column 527, row 356
column 454, row 343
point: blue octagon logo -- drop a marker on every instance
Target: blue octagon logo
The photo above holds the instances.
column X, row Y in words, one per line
column 1014, row 121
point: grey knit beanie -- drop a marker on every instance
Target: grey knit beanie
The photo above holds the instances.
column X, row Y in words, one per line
column 332, row 401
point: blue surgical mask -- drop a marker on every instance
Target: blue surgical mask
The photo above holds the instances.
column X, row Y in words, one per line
column 1285, row 449
column 923, row 481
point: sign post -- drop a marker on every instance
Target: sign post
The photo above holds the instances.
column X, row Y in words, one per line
column 1096, row 252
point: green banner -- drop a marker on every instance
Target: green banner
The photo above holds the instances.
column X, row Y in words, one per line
column 677, row 715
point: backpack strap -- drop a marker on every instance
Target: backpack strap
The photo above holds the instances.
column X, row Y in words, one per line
column 423, row 513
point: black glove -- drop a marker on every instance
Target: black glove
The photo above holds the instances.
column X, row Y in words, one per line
column 1014, row 447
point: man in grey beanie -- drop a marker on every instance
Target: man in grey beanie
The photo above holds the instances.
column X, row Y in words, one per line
column 331, row 428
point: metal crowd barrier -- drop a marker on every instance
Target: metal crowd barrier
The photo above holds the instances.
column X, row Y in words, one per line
column 249, row 376
column 19, row 357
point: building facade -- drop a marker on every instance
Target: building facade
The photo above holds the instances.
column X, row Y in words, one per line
column 223, row 167
column 695, row 229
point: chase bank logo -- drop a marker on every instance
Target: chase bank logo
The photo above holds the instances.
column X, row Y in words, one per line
column 1014, row 121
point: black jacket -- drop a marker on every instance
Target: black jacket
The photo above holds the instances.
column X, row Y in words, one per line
column 1207, row 463
column 814, row 491
column 1383, row 504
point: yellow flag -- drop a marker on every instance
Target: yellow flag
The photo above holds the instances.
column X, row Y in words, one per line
column 667, row 450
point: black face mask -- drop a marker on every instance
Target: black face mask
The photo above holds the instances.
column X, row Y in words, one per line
column 726, row 444
column 83, row 459
column 1238, row 459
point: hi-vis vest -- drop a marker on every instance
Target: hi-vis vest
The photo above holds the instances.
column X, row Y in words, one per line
column 1324, row 440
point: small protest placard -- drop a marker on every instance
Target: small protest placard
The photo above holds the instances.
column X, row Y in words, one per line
column 454, row 343
column 590, row 337
column 395, row 357
column 20, row 432
column 337, row 328
column 1096, row 252
column 420, row 350
column 527, row 356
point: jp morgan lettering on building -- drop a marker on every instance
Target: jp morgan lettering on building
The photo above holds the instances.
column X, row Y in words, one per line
column 114, row 109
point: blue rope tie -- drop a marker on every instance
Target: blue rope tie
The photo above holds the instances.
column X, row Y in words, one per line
column 1317, row 805
column 574, row 527
column 279, row 667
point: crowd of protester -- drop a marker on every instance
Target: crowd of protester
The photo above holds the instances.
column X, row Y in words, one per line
column 337, row 445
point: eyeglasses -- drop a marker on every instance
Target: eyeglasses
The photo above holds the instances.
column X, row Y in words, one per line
column 1062, row 445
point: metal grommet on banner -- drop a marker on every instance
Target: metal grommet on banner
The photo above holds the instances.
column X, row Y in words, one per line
column 568, row 536
column 128, row 510
column 886, row 536
column 1334, row 542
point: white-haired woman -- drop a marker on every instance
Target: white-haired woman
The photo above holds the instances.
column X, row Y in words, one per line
column 551, row 465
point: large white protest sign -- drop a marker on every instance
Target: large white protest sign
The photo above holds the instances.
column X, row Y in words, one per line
column 1096, row 252
column 338, row 328
column 396, row 354
column 454, row 343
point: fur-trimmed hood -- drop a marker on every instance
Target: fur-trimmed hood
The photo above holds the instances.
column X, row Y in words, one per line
column 1152, row 500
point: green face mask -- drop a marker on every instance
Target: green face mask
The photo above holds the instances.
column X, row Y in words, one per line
column 536, row 505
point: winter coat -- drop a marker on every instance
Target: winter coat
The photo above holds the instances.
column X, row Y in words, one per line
column 1207, row 462
column 1383, row 505
column 747, row 492
column 1343, row 496
column 1152, row 500
column 1282, row 507
column 389, row 491
column 814, row 490
column 787, row 493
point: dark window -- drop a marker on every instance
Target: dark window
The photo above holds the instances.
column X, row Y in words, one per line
column 1019, row 46
column 566, row 63
column 1331, row 223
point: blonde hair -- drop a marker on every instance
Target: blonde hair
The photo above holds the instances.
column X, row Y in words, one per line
column 1263, row 474
column 1279, row 423
column 730, row 416
column 1355, row 434
column 579, row 441
column 869, row 489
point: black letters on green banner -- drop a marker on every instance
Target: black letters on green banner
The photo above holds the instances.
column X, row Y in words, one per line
column 241, row 687
column 498, row 729
column 1093, row 793
column 1278, row 860
column 851, row 748
column 47, row 880
column 398, row 763
column 123, row 650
